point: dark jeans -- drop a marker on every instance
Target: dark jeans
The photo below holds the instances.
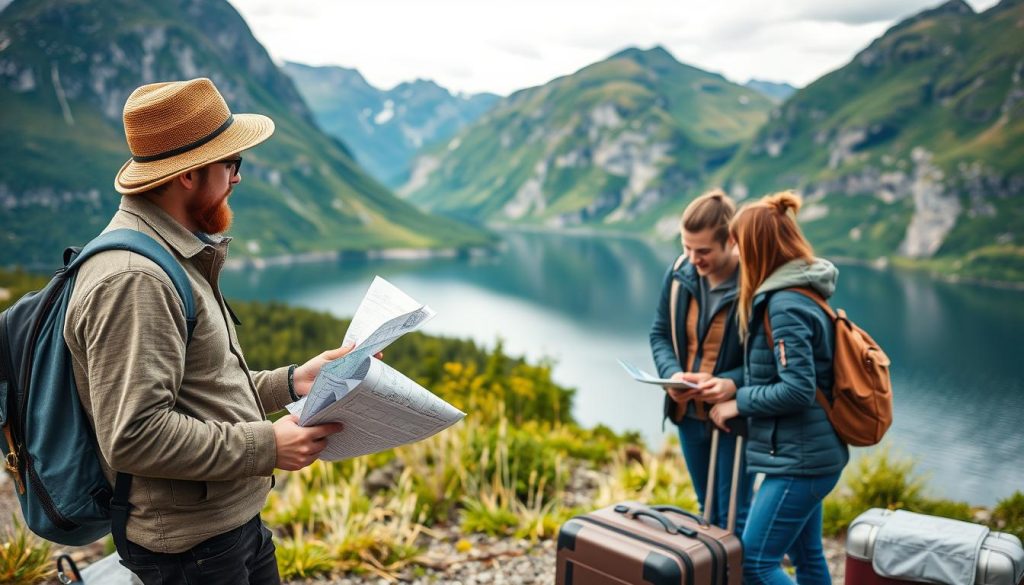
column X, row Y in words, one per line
column 695, row 436
column 785, row 519
column 242, row 555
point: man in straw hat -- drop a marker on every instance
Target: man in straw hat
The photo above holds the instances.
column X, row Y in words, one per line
column 185, row 418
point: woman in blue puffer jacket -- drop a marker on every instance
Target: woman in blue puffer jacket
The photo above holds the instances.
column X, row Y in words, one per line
column 790, row 438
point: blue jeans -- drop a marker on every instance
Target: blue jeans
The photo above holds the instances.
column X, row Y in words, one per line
column 785, row 518
column 695, row 436
column 243, row 555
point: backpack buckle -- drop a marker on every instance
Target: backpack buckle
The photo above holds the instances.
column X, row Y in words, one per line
column 11, row 464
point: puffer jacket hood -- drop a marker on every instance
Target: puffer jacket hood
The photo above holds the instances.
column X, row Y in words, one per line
column 821, row 275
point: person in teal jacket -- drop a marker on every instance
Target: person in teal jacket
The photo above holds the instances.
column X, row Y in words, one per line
column 790, row 438
column 694, row 337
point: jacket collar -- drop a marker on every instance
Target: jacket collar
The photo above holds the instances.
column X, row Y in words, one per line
column 687, row 276
column 182, row 241
column 690, row 280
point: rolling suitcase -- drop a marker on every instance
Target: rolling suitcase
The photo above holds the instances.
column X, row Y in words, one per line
column 986, row 558
column 630, row 543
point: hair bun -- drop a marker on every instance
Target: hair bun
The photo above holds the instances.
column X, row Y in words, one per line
column 784, row 201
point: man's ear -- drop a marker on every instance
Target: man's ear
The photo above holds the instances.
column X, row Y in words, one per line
column 189, row 179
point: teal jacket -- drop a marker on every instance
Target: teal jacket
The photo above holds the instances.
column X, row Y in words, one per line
column 730, row 356
column 789, row 431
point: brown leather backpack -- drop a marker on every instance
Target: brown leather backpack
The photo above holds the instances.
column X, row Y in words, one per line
column 861, row 407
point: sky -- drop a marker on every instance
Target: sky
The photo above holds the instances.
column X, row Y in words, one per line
column 501, row 46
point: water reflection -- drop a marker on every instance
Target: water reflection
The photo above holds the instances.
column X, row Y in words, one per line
column 585, row 301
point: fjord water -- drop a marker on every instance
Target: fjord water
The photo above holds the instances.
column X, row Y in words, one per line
column 586, row 301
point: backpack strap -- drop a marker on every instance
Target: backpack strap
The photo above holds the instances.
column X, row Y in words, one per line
column 140, row 243
column 672, row 302
column 120, row 510
column 811, row 294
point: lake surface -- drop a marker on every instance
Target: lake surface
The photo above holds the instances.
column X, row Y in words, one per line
column 585, row 301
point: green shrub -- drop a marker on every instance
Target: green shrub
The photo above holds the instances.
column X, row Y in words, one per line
column 23, row 557
column 837, row 513
column 944, row 508
column 876, row 480
column 300, row 558
column 488, row 515
column 1008, row 515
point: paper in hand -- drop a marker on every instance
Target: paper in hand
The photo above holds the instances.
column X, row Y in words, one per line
column 379, row 407
column 642, row 376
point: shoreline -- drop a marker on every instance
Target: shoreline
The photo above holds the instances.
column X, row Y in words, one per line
column 884, row 263
column 345, row 256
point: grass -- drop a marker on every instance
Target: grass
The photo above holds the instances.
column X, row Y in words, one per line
column 25, row 558
column 879, row 479
column 1008, row 515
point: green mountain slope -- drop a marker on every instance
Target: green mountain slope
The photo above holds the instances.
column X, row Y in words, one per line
column 914, row 148
column 609, row 145
column 384, row 128
column 66, row 68
column 773, row 90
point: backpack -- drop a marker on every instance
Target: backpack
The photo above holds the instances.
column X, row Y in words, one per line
column 861, row 407
column 49, row 446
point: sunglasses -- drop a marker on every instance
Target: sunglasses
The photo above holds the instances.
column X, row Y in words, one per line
column 235, row 164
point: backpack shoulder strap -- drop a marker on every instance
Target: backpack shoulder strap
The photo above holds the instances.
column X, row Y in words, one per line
column 807, row 292
column 140, row 243
column 817, row 298
column 673, row 300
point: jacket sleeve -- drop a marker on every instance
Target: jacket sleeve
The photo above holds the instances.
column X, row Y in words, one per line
column 272, row 388
column 735, row 374
column 661, row 334
column 793, row 327
column 132, row 328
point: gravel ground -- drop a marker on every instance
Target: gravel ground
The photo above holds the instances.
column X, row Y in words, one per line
column 511, row 562
column 485, row 560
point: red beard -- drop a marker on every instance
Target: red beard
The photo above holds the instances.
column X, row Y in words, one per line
column 211, row 216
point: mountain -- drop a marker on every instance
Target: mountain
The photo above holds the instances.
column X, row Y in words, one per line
column 385, row 128
column 775, row 91
column 66, row 69
column 913, row 149
column 614, row 144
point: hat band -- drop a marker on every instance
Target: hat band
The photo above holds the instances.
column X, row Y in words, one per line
column 191, row 146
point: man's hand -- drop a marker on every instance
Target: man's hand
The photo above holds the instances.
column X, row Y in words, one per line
column 722, row 412
column 715, row 390
column 298, row 446
column 306, row 373
column 681, row 395
column 302, row 381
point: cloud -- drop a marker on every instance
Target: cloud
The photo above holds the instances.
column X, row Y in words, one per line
column 517, row 48
column 863, row 11
column 502, row 45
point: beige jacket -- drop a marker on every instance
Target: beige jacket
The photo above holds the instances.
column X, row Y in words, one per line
column 188, row 422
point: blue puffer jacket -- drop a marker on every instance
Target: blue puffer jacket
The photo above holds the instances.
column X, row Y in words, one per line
column 789, row 432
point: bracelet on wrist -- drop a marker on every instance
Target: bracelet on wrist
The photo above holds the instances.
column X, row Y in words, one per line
column 291, row 382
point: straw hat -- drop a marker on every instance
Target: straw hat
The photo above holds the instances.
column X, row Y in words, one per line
column 178, row 126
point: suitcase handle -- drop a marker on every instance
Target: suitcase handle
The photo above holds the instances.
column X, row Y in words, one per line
column 69, row 574
column 700, row 520
column 670, row 526
column 712, row 469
